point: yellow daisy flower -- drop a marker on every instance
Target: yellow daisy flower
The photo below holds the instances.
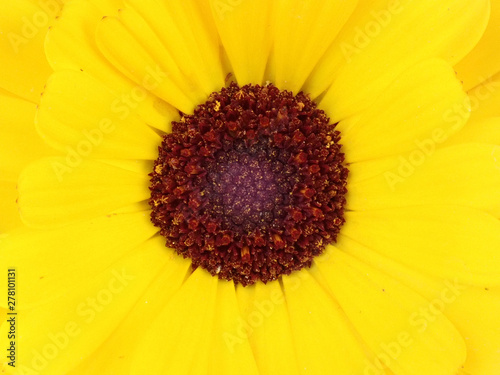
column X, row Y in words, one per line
column 325, row 174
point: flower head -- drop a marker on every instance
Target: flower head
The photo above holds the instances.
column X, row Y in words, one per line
column 326, row 186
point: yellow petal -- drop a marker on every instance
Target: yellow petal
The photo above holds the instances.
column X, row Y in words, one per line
column 116, row 354
column 65, row 256
column 8, row 207
column 371, row 12
column 265, row 323
column 485, row 99
column 19, row 145
column 79, row 115
column 433, row 239
column 24, row 25
column 230, row 351
column 475, row 314
column 324, row 341
column 486, row 130
column 386, row 314
column 184, row 30
column 57, row 191
column 182, row 331
column 484, row 60
column 71, row 45
column 377, row 48
column 421, row 282
column 107, row 6
column 359, row 172
column 137, row 166
column 420, row 102
column 466, row 174
column 57, row 336
column 245, row 28
column 474, row 311
column 303, row 30
column 158, row 73
column 19, row 142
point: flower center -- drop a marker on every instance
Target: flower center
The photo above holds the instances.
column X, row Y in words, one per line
column 252, row 186
column 245, row 188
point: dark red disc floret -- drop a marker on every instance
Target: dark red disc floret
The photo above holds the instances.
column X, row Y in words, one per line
column 252, row 185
